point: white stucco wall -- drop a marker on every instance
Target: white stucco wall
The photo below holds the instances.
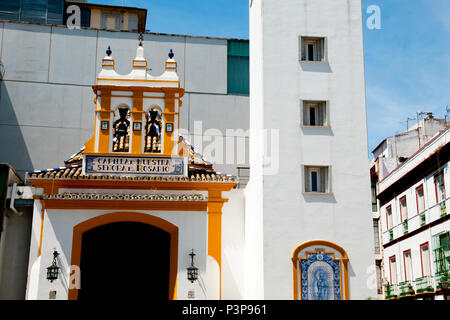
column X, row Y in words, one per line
column 14, row 245
column 233, row 245
column 254, row 195
column 291, row 217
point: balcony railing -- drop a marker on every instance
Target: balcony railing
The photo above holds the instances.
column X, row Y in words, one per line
column 431, row 214
column 443, row 208
column 405, row 227
column 441, row 278
column 406, row 288
column 424, row 284
column 391, row 291
column 427, row 284
column 423, row 219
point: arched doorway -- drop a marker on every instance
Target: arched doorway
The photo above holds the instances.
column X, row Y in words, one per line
column 125, row 260
column 125, row 256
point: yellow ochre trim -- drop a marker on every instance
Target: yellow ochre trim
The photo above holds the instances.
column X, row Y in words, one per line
column 42, row 227
column 110, row 64
column 215, row 205
column 134, row 65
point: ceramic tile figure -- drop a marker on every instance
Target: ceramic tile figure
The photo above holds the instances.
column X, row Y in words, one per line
column 320, row 277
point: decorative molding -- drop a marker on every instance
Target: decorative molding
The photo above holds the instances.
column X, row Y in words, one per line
column 124, row 197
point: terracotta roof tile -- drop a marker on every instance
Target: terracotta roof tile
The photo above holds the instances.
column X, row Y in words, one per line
column 199, row 169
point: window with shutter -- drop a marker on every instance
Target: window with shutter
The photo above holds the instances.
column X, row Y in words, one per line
column 314, row 114
column 312, row 49
column 316, row 179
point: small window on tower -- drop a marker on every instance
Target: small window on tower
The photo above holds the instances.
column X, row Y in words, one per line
column 315, row 114
column 312, row 49
column 153, row 126
column 317, row 179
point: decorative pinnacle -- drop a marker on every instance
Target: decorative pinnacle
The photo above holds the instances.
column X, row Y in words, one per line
column 108, row 51
column 192, row 254
column 171, row 54
column 141, row 39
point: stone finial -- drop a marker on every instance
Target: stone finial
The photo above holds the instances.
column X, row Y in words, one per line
column 141, row 39
column 108, row 51
column 171, row 54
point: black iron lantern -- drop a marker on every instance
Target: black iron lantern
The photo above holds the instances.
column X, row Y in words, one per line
column 52, row 271
column 192, row 271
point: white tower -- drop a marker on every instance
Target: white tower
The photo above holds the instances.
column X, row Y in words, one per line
column 308, row 217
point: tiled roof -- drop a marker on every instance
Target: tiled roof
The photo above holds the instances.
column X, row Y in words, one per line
column 195, row 157
column 75, row 172
column 75, row 158
column 199, row 169
column 125, row 197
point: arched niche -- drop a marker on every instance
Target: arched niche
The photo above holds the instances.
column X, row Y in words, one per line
column 320, row 271
column 121, row 128
column 154, row 126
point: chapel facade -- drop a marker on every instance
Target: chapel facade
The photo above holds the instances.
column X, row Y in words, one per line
column 127, row 215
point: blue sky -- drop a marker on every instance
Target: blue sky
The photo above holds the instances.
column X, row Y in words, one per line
column 407, row 61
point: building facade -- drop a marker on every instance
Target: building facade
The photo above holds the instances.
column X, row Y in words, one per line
column 47, row 114
column 414, row 223
column 309, row 190
column 107, row 17
column 391, row 153
column 16, row 214
column 136, row 198
column 48, row 98
column 305, row 233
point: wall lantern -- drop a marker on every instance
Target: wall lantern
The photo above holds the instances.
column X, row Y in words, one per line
column 52, row 271
column 192, row 271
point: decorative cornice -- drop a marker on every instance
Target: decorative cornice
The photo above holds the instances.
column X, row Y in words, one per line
column 75, row 173
column 124, row 197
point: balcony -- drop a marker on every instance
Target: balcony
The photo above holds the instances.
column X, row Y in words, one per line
column 391, row 291
column 406, row 289
column 423, row 285
column 443, row 209
column 430, row 215
column 423, row 219
column 441, row 280
column 405, row 227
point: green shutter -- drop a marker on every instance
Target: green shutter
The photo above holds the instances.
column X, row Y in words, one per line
column 238, row 67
